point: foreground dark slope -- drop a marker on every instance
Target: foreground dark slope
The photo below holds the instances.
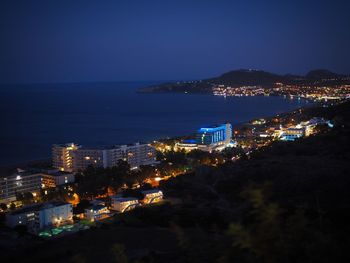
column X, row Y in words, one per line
column 288, row 203
column 314, row 167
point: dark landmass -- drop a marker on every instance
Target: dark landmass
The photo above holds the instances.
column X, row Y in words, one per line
column 244, row 77
column 288, row 202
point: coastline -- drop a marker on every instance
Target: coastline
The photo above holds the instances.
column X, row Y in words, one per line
column 47, row 161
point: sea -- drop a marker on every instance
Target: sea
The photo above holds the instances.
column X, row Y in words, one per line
column 35, row 116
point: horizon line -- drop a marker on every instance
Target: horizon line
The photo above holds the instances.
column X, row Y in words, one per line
column 163, row 81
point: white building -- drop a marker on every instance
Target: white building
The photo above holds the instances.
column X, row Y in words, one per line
column 186, row 145
column 56, row 178
column 122, row 204
column 20, row 182
column 39, row 216
column 138, row 154
column 96, row 212
column 74, row 158
column 84, row 157
column 152, row 196
column 62, row 156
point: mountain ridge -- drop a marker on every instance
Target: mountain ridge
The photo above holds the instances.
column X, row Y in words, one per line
column 251, row 77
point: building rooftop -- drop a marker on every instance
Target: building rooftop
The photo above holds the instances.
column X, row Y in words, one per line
column 70, row 144
column 213, row 126
column 37, row 207
column 295, row 129
column 19, row 176
column 152, row 191
column 124, row 199
column 57, row 173
column 110, row 147
column 189, row 141
column 96, row 207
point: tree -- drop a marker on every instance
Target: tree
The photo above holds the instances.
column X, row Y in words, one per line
column 12, row 206
column 269, row 234
column 133, row 193
column 232, row 152
column 21, row 229
column 122, row 168
column 25, row 198
column 118, row 251
column 49, row 194
column 176, row 157
column 80, row 208
column 3, row 206
column 78, row 258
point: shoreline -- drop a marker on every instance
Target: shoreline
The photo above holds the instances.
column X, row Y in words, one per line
column 35, row 162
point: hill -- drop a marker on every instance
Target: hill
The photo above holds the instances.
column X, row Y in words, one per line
column 323, row 74
column 248, row 77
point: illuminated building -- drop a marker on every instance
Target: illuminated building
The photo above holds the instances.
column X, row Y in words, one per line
column 96, row 212
column 259, row 122
column 122, row 204
column 62, row 156
column 71, row 157
column 20, row 182
column 214, row 134
column 152, row 196
column 84, row 157
column 56, row 178
column 313, row 123
column 186, row 145
column 135, row 154
column 40, row 216
column 277, row 132
column 215, row 137
column 291, row 134
column 139, row 154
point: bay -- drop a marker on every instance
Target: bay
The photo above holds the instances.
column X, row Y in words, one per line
column 35, row 116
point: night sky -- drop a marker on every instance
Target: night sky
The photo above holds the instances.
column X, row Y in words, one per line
column 134, row 40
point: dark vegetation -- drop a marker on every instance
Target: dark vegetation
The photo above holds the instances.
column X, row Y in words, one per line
column 96, row 181
column 288, row 202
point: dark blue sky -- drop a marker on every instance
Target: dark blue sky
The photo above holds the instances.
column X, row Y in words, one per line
column 64, row 41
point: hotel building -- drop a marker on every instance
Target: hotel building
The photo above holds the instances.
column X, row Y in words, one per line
column 186, row 145
column 209, row 138
column 96, row 212
column 62, row 156
column 85, row 157
column 138, row 154
column 31, row 182
column 152, row 196
column 20, row 182
column 56, row 178
column 122, row 204
column 40, row 216
column 81, row 158
column 215, row 134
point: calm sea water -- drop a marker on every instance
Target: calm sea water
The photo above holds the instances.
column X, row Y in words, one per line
column 33, row 117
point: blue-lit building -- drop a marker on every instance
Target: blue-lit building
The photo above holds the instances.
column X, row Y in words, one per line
column 214, row 134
